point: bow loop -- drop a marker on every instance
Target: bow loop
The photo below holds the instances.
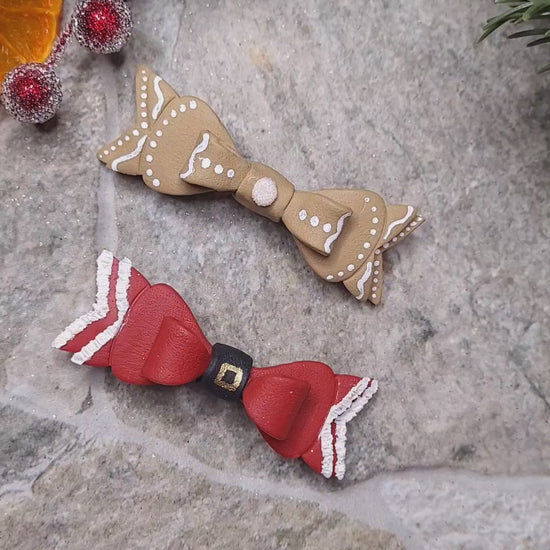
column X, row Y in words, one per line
column 274, row 402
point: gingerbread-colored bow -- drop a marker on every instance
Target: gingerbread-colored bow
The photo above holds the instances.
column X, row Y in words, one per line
column 180, row 147
column 148, row 335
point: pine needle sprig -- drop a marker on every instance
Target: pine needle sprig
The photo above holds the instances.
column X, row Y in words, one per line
column 523, row 12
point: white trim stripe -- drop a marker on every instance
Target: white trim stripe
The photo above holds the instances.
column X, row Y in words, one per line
column 99, row 309
column 339, row 415
column 121, row 293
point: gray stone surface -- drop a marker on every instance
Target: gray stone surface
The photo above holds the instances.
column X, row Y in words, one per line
column 454, row 452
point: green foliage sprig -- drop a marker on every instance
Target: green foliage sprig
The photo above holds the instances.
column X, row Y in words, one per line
column 523, row 12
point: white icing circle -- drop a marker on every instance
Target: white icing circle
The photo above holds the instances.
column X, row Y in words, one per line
column 183, row 108
column 113, row 147
column 105, row 152
column 119, row 142
column 330, row 277
column 149, row 158
column 173, row 113
column 327, row 227
column 373, row 231
column 360, row 256
column 149, row 172
column 159, row 133
column 367, row 199
column 374, row 220
column 366, row 245
column 264, row 193
column 230, row 173
column 144, row 125
column 165, row 122
column 340, row 273
column 205, row 163
column 153, row 144
column 314, row 221
column 376, row 263
column 156, row 182
column 373, row 208
column 135, row 133
column 193, row 104
column 218, row 168
column 351, row 267
column 302, row 215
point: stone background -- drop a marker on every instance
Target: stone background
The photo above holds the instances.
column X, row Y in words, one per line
column 454, row 451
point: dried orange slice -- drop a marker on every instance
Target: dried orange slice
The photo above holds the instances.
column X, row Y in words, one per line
column 28, row 29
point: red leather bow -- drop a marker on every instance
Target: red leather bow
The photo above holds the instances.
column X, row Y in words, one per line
column 148, row 335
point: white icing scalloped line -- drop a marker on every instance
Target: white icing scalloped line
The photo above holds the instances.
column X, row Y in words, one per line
column 410, row 211
column 198, row 149
column 160, row 98
column 361, row 282
column 99, row 309
column 129, row 156
column 334, row 236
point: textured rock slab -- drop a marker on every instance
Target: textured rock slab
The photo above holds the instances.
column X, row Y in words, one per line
column 106, row 496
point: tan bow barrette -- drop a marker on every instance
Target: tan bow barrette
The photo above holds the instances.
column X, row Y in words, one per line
column 180, row 147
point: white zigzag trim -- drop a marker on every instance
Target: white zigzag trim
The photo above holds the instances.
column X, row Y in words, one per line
column 121, row 293
column 99, row 309
column 340, row 414
column 336, row 234
column 160, row 97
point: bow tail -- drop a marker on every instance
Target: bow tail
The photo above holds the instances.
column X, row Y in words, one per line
column 90, row 337
column 327, row 455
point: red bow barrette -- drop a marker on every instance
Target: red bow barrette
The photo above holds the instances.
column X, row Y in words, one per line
column 148, row 335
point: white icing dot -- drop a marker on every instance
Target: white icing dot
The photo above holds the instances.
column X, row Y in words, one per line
column 373, row 208
column 135, row 133
column 407, row 228
column 144, row 115
column 327, row 227
column 143, row 88
column 394, row 239
column 351, row 267
column 376, row 272
column 113, row 147
column 386, row 245
column 374, row 296
column 401, row 234
column 183, row 108
column 374, row 220
column 126, row 138
column 100, row 155
column 314, row 221
column 330, row 277
column 360, row 256
column 156, row 182
column 144, row 79
column 149, row 158
column 264, row 192
column 105, row 152
column 159, row 133
column 376, row 263
column 374, row 288
column 205, row 163
column 230, row 173
column 119, row 142
column 302, row 215
column 218, row 169
column 367, row 199
column 165, row 122
column 377, row 251
column 149, row 172
column 366, row 245
column 413, row 224
column 193, row 104
column 375, row 280
column 153, row 144
column 144, row 125
column 143, row 104
column 173, row 113
column 340, row 273
column 143, row 96
column 373, row 231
